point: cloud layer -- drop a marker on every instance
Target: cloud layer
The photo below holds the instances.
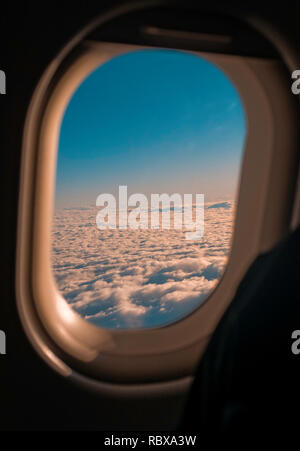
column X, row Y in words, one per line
column 137, row 278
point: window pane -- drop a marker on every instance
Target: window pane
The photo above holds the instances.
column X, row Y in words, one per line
column 146, row 123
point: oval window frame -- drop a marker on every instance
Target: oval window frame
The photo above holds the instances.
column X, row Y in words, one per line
column 60, row 335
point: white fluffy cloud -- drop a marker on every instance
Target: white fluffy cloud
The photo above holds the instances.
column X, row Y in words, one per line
column 137, row 278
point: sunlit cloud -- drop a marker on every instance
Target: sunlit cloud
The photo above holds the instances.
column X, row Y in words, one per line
column 137, row 278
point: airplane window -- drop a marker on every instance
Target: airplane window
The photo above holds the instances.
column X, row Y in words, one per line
column 148, row 166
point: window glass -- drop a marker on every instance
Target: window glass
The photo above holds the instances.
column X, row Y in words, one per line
column 147, row 172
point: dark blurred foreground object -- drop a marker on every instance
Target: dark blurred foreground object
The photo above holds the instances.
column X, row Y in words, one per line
column 249, row 379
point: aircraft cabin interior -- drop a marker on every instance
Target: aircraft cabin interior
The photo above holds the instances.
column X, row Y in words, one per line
column 151, row 213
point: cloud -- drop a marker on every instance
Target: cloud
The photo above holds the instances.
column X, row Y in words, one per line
column 226, row 205
column 137, row 278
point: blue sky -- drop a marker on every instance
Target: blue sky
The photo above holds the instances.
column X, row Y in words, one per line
column 156, row 121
